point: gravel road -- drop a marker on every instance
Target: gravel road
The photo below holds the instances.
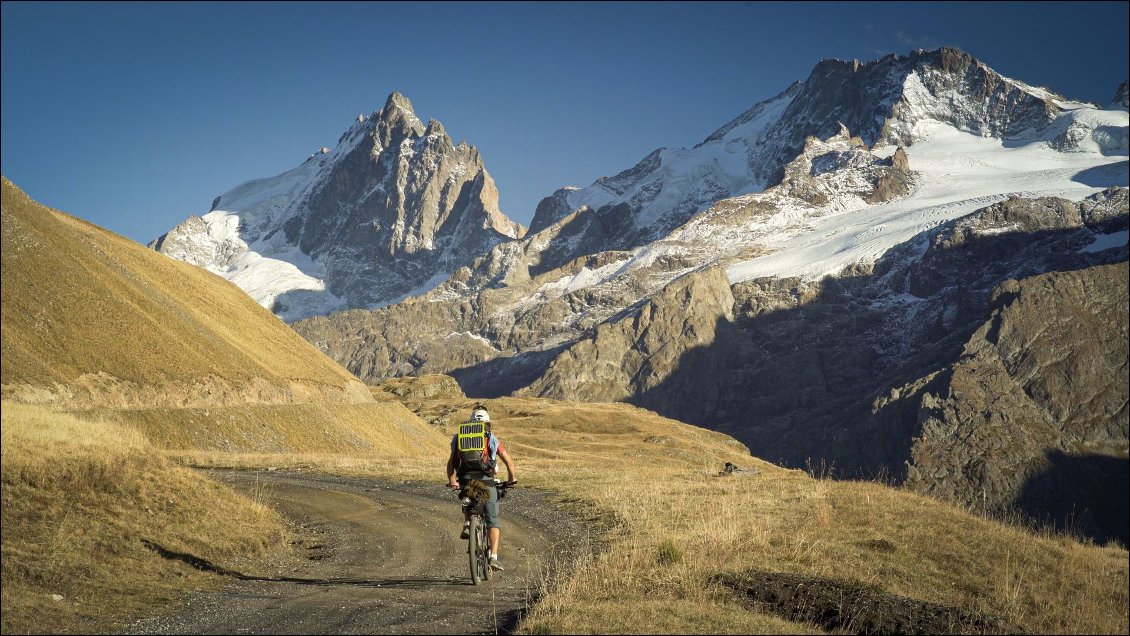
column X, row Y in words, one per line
column 378, row 557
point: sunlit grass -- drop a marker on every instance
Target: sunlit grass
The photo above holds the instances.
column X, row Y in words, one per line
column 92, row 318
column 672, row 523
column 82, row 502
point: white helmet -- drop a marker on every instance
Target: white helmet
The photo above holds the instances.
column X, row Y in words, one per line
column 479, row 414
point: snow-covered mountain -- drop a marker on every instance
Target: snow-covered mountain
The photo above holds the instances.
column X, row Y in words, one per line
column 882, row 102
column 970, row 137
column 392, row 209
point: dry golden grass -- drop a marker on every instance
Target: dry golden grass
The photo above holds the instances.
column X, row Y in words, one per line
column 866, row 533
column 78, row 301
column 377, row 428
column 671, row 524
column 674, row 523
column 81, row 499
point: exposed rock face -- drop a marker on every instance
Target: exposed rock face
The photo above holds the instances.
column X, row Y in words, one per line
column 637, row 351
column 820, row 353
column 446, row 332
column 393, row 207
column 425, row 387
column 1106, row 212
column 951, row 86
column 893, row 182
column 848, row 168
column 410, row 185
column 1042, row 380
column 1121, row 97
column 905, row 363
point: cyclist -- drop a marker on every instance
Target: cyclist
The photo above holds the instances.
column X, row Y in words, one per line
column 459, row 472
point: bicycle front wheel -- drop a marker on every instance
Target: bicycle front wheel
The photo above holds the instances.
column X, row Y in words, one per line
column 475, row 550
column 484, row 550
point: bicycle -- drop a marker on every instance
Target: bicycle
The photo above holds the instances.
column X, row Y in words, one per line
column 475, row 495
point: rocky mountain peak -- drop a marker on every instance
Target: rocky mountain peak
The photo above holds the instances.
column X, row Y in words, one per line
column 947, row 59
column 396, row 122
column 393, row 208
column 1121, row 97
column 434, row 128
column 397, row 100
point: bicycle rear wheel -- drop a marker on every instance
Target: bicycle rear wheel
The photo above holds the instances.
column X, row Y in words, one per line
column 474, row 549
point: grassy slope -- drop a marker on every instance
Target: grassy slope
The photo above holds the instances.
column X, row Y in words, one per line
column 81, row 498
column 675, row 524
column 78, row 300
column 198, row 364
column 92, row 322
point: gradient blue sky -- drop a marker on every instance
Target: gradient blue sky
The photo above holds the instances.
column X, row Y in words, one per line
column 136, row 115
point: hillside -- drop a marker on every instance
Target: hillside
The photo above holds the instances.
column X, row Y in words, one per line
column 86, row 504
column 93, row 319
column 686, row 548
column 98, row 324
column 116, row 360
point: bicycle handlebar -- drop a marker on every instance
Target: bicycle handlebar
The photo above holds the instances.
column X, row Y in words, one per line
column 497, row 482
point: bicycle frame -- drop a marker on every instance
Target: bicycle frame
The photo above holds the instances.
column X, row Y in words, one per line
column 476, row 495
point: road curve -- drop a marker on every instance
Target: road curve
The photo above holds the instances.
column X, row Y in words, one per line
column 376, row 557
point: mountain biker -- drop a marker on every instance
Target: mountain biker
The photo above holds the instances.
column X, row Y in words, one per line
column 459, row 473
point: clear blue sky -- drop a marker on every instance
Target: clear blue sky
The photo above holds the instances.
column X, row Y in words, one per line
column 136, row 115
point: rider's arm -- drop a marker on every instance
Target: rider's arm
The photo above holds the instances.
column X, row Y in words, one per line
column 451, row 480
column 510, row 475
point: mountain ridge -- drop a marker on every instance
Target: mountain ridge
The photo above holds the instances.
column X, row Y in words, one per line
column 879, row 101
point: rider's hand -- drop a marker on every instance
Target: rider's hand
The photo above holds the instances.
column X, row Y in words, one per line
column 453, row 486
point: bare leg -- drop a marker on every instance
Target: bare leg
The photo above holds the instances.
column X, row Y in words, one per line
column 494, row 536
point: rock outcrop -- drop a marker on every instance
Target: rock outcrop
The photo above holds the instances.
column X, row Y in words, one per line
column 639, row 350
column 1121, row 97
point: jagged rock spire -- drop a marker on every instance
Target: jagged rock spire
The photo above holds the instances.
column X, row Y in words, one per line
column 397, row 121
column 393, row 206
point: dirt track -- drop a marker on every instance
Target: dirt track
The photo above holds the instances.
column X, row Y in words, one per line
column 378, row 557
